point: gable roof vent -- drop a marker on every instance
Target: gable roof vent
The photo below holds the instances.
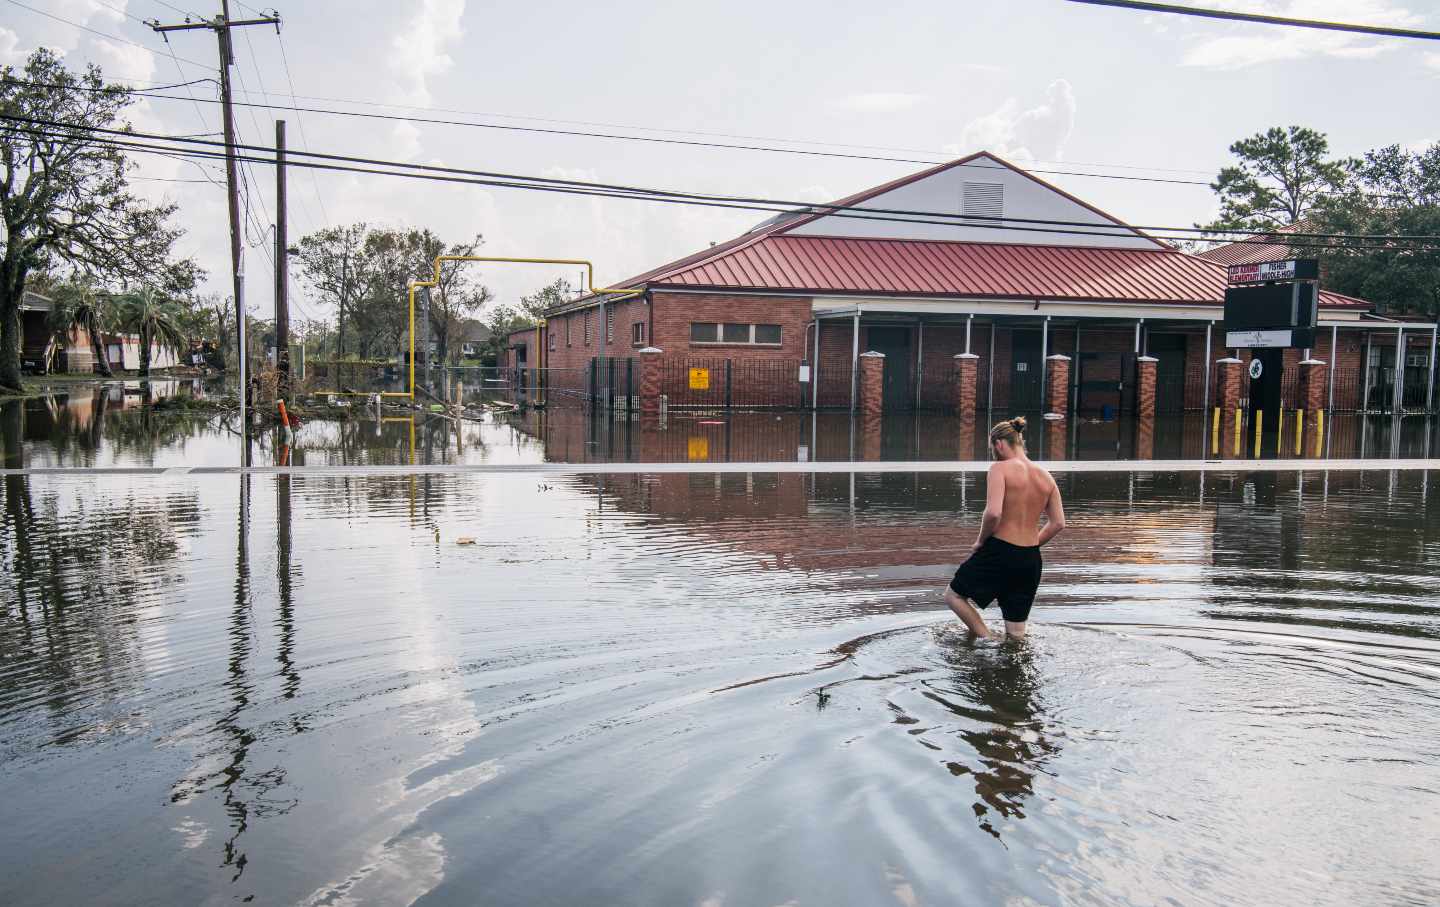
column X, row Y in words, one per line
column 984, row 200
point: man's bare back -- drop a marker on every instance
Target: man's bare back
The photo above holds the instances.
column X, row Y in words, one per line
column 1027, row 490
column 1005, row 563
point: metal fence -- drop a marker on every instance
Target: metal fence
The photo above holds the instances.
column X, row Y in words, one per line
column 691, row 382
column 1353, row 390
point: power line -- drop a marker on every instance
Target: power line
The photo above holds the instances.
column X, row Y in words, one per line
column 300, row 121
column 105, row 35
column 433, row 121
column 725, row 146
column 173, row 8
column 437, row 173
column 726, row 135
column 1207, row 13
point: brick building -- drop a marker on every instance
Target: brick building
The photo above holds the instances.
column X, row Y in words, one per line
column 972, row 257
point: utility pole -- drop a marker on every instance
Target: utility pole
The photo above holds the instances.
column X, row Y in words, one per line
column 282, row 267
column 221, row 25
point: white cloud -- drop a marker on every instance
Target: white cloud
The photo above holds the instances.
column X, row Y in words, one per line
column 1215, row 45
column 1432, row 60
column 10, row 52
column 137, row 63
column 420, row 50
column 812, row 193
column 879, row 102
column 1038, row 132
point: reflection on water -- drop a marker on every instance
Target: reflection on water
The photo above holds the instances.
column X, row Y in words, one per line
column 723, row 689
column 112, row 426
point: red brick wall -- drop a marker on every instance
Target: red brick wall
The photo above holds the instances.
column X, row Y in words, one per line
column 835, row 350
column 675, row 311
column 577, row 355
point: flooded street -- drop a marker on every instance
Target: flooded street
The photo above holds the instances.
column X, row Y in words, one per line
column 112, row 426
column 703, row 688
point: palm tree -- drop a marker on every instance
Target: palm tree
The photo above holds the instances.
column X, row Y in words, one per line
column 157, row 321
column 78, row 305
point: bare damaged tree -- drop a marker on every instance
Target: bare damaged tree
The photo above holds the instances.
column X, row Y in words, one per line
column 64, row 199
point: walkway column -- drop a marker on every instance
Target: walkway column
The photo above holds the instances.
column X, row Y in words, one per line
column 855, row 360
column 650, row 381
column 1398, row 405
column 1145, row 387
column 1145, row 439
column 967, row 371
column 1312, row 385
column 966, row 445
column 1056, row 435
column 1229, row 371
column 1313, row 375
column 872, row 383
column 1057, row 379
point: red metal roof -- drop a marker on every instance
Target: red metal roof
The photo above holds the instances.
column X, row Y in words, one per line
column 1246, row 253
column 1257, row 247
column 891, row 267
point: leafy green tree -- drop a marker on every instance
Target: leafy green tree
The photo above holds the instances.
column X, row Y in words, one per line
column 1392, row 192
column 64, row 196
column 155, row 319
column 1280, row 176
column 458, row 296
column 331, row 264
column 79, row 305
column 546, row 298
column 366, row 272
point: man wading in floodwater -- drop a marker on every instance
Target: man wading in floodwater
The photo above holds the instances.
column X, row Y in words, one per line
column 1004, row 562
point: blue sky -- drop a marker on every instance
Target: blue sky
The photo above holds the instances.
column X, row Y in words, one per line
column 1050, row 84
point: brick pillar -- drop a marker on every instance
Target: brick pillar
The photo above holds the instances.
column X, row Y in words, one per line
column 1057, row 385
column 1145, row 439
column 967, row 439
column 1312, row 386
column 1145, row 387
column 872, row 384
column 870, row 436
column 967, row 370
column 650, row 381
column 1228, row 373
column 1056, row 435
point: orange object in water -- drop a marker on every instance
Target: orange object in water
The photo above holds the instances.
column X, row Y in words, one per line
column 284, row 416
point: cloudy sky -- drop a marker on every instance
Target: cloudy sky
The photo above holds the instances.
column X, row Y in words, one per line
column 1050, row 84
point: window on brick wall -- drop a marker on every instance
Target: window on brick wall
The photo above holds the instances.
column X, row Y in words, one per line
column 752, row 334
column 637, row 334
column 568, row 322
column 550, row 332
column 587, row 328
column 610, row 325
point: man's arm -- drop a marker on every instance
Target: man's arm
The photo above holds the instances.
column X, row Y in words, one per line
column 994, row 503
column 1054, row 516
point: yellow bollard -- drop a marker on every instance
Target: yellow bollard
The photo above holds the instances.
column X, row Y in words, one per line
column 1299, row 432
column 1259, row 420
column 1215, row 433
column 1239, row 436
column 1319, row 433
column 1280, row 433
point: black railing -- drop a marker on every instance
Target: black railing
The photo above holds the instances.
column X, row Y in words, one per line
column 688, row 382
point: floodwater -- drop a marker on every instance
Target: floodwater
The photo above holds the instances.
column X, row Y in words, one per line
column 705, row 689
column 112, row 426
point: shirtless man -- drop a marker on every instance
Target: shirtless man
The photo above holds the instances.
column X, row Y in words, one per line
column 1004, row 562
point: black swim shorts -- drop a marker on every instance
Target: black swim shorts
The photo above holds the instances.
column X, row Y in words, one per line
column 1004, row 572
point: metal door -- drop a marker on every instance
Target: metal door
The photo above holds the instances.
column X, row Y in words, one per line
column 1027, row 372
column 894, row 342
column 1169, row 349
